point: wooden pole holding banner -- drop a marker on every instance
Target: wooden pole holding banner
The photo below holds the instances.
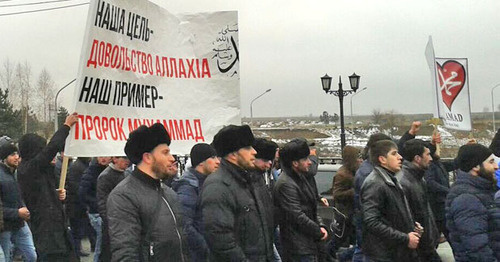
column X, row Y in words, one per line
column 435, row 122
column 64, row 171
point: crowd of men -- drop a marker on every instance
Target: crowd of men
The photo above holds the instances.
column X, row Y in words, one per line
column 243, row 198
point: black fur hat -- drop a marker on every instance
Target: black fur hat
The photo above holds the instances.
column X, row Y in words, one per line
column 231, row 138
column 145, row 139
column 265, row 149
column 294, row 150
column 30, row 145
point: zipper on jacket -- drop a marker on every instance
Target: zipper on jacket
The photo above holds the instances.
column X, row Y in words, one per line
column 176, row 228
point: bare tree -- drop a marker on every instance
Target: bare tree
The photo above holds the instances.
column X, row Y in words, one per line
column 21, row 94
column 377, row 116
column 7, row 75
column 45, row 94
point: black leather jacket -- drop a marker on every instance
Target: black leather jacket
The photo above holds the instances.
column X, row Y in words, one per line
column 387, row 219
column 415, row 189
column 296, row 203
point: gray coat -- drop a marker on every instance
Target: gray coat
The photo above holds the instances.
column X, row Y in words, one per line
column 234, row 217
column 131, row 210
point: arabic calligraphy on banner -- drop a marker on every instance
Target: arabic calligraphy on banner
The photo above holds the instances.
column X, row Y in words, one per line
column 453, row 93
column 141, row 65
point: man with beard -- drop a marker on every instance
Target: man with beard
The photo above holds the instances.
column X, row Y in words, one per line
column 234, row 216
column 15, row 214
column 144, row 216
column 470, row 208
column 301, row 229
column 388, row 227
column 417, row 159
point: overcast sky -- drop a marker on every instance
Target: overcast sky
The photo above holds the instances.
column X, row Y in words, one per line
column 288, row 45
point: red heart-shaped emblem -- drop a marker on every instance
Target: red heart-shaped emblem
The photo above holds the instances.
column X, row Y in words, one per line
column 451, row 77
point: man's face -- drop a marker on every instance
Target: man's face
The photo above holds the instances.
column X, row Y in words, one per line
column 12, row 160
column 245, row 157
column 164, row 164
column 262, row 164
column 301, row 166
column 104, row 160
column 488, row 168
column 424, row 161
column 121, row 162
column 392, row 161
column 210, row 165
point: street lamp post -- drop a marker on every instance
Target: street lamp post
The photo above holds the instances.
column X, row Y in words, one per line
column 326, row 81
column 55, row 102
column 493, row 107
column 352, row 118
column 251, row 103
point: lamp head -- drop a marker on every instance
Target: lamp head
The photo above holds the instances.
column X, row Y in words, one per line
column 354, row 81
column 326, row 81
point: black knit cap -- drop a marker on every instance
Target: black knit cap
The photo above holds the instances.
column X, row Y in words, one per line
column 201, row 152
column 472, row 155
column 294, row 150
column 231, row 138
column 7, row 147
column 144, row 139
column 265, row 149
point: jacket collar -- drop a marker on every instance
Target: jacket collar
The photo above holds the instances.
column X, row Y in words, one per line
column 146, row 179
column 6, row 168
column 112, row 166
column 238, row 173
column 193, row 177
column 475, row 181
column 386, row 175
column 413, row 170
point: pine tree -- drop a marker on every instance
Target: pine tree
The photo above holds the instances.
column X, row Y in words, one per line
column 10, row 119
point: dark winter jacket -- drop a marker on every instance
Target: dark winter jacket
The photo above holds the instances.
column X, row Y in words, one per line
column 296, row 203
column 470, row 218
column 495, row 235
column 74, row 207
column 132, row 207
column 88, row 185
column 38, row 186
column 438, row 186
column 265, row 193
column 106, row 182
column 188, row 189
column 387, row 218
column 236, row 228
column 10, row 196
column 495, row 143
column 413, row 183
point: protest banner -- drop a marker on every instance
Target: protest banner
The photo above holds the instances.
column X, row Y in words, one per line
column 451, row 83
column 141, row 65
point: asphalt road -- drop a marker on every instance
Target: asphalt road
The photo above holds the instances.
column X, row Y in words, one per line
column 444, row 252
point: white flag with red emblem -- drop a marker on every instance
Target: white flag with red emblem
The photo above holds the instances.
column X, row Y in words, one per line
column 451, row 84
